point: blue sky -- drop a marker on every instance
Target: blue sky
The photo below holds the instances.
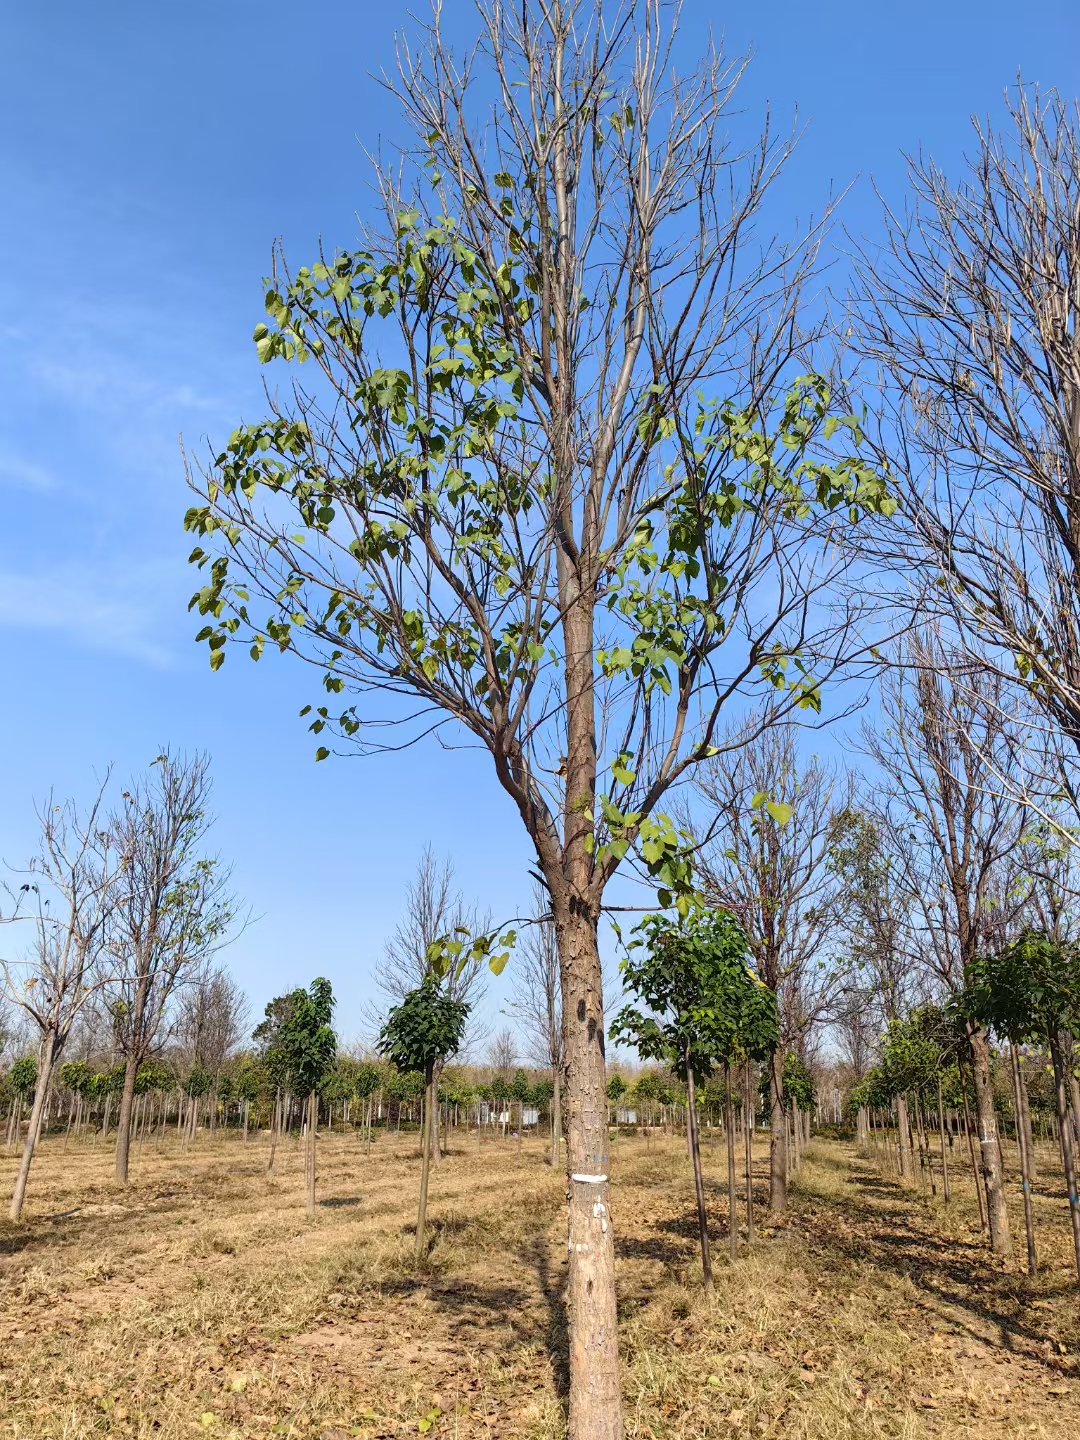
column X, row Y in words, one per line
column 149, row 155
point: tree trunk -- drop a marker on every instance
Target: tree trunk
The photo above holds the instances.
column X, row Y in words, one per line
column 595, row 1392
column 979, row 1195
column 777, row 1135
column 311, row 1128
column 47, row 1053
column 1025, row 1120
column 275, row 1126
column 1068, row 1153
column 941, row 1136
column 123, row 1123
column 990, row 1148
column 903, row 1125
column 699, row 1184
column 427, row 1135
column 1025, row 1164
column 748, row 1145
column 729, row 1127
column 556, row 1116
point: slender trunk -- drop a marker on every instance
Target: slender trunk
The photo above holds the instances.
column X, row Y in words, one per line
column 699, row 1184
column 1025, row 1121
column 979, row 1196
column 729, row 1127
column 748, row 1146
column 1000, row 1240
column 49, row 1049
column 1061, row 1097
column 426, row 1138
column 123, row 1123
column 941, row 1136
column 777, row 1135
column 275, row 1126
column 907, row 1169
column 247, row 1116
column 556, row 1116
column 313, row 1116
column 1025, row 1164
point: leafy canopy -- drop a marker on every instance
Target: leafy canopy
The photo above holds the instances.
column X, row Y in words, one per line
column 704, row 1003
column 424, row 1029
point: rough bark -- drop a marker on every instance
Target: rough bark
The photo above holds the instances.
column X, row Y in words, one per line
column 47, row 1056
column 903, row 1125
column 1068, row 1150
column 123, row 1123
column 777, row 1135
column 595, row 1399
column 989, row 1145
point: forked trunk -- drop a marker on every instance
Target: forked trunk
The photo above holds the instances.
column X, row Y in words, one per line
column 595, row 1395
column 777, row 1135
column 989, row 1146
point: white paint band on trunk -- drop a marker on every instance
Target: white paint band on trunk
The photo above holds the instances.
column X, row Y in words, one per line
column 589, row 1179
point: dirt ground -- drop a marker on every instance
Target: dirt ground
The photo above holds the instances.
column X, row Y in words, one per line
column 201, row 1301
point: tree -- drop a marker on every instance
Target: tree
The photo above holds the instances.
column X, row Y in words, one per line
column 433, row 909
column 538, row 1001
column 71, row 893
column 769, row 820
column 555, row 482
column 968, row 311
column 308, row 1048
column 951, row 833
column 173, row 911
column 1031, row 990
column 420, row 1034
column 701, row 1002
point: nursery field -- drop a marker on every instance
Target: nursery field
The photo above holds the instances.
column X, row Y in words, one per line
column 202, row 1301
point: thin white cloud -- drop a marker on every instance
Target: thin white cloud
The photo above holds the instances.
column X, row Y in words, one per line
column 22, row 474
column 92, row 608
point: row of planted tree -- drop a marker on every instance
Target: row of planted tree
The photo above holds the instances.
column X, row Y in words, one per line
column 917, row 1098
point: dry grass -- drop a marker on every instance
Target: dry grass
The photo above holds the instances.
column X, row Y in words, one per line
column 201, row 1301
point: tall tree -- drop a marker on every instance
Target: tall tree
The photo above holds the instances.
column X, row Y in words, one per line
column 970, row 312
column 173, row 910
column 767, row 821
column 69, row 902
column 553, row 480
column 951, row 833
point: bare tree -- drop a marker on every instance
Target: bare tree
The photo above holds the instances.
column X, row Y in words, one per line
column 538, row 1002
column 211, row 1022
column 530, row 529
column 173, row 909
column 971, row 312
column 69, row 903
column 768, row 821
column 502, row 1052
column 952, row 836
column 434, row 908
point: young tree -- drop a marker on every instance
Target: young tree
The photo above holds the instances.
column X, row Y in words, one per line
column 553, row 480
column 701, row 1002
column 69, row 902
column 421, row 1034
column 538, row 1001
column 768, row 823
column 173, row 910
column 308, row 1048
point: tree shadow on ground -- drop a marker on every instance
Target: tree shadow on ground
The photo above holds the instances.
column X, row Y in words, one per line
column 888, row 1228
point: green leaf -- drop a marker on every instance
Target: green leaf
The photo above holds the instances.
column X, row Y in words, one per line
column 321, row 753
column 780, row 813
column 497, row 963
